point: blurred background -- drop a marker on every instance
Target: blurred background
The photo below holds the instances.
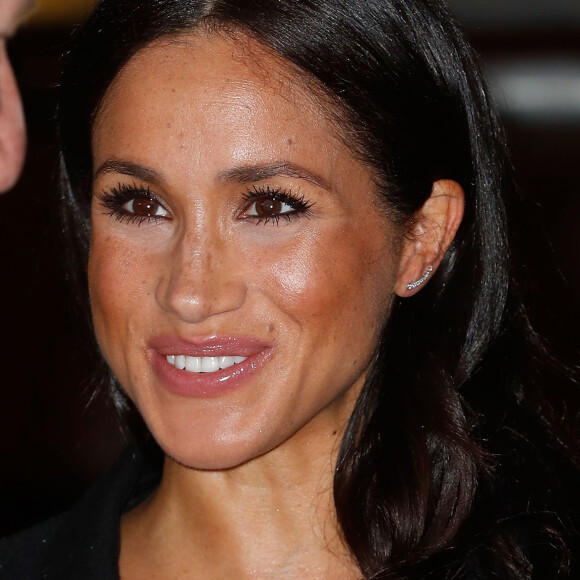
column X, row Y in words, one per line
column 53, row 444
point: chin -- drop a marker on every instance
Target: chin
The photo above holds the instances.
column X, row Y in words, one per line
column 202, row 449
column 220, row 460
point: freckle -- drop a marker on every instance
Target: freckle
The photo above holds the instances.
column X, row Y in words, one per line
column 289, row 142
column 270, row 328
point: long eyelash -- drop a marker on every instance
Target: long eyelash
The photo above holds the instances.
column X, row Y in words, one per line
column 296, row 201
column 115, row 197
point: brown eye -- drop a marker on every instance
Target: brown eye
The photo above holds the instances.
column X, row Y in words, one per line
column 271, row 206
column 268, row 207
column 145, row 207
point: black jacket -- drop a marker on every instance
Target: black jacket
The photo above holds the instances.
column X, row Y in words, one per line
column 83, row 543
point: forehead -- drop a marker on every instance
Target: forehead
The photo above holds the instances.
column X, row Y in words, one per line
column 229, row 63
column 217, row 84
column 12, row 12
column 208, row 106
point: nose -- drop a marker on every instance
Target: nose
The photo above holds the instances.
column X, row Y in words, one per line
column 203, row 277
column 12, row 130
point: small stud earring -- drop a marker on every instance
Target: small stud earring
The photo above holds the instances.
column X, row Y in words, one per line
column 421, row 280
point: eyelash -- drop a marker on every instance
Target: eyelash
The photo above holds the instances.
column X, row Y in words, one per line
column 116, row 197
column 300, row 207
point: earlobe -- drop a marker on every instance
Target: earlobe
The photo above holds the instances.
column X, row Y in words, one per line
column 432, row 230
column 421, row 280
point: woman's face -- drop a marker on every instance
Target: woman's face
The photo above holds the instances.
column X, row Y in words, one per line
column 233, row 233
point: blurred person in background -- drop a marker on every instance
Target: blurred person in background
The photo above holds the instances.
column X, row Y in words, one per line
column 12, row 128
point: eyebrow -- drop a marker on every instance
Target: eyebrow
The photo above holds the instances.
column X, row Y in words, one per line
column 258, row 172
column 128, row 168
column 244, row 174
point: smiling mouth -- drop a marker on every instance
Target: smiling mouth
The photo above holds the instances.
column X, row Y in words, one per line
column 203, row 364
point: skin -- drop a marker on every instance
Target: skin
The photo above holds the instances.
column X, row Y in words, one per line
column 250, row 470
column 12, row 128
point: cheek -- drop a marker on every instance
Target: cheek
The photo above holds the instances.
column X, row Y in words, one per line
column 331, row 277
column 117, row 286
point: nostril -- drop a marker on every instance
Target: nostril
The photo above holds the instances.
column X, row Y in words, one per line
column 202, row 277
column 193, row 297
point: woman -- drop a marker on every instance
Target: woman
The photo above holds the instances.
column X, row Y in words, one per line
column 299, row 276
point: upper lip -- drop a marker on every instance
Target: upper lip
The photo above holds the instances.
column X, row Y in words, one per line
column 227, row 345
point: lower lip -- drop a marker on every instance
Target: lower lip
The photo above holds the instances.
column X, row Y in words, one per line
column 208, row 385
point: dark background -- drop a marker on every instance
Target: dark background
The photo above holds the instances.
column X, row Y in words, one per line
column 53, row 443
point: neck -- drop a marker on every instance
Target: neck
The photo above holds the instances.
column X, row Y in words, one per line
column 272, row 517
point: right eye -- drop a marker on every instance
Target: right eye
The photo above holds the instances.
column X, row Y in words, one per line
column 131, row 203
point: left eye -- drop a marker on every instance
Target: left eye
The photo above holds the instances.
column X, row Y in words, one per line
column 144, row 207
column 269, row 207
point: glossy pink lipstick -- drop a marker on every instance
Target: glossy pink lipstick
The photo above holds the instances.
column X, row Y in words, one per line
column 203, row 357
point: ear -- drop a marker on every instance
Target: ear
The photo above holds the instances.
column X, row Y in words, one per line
column 430, row 233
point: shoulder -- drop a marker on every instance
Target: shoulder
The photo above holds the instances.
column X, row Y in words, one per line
column 21, row 555
column 83, row 542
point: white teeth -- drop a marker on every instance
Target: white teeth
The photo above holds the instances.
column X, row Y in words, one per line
column 227, row 361
column 193, row 364
column 210, row 364
column 203, row 364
